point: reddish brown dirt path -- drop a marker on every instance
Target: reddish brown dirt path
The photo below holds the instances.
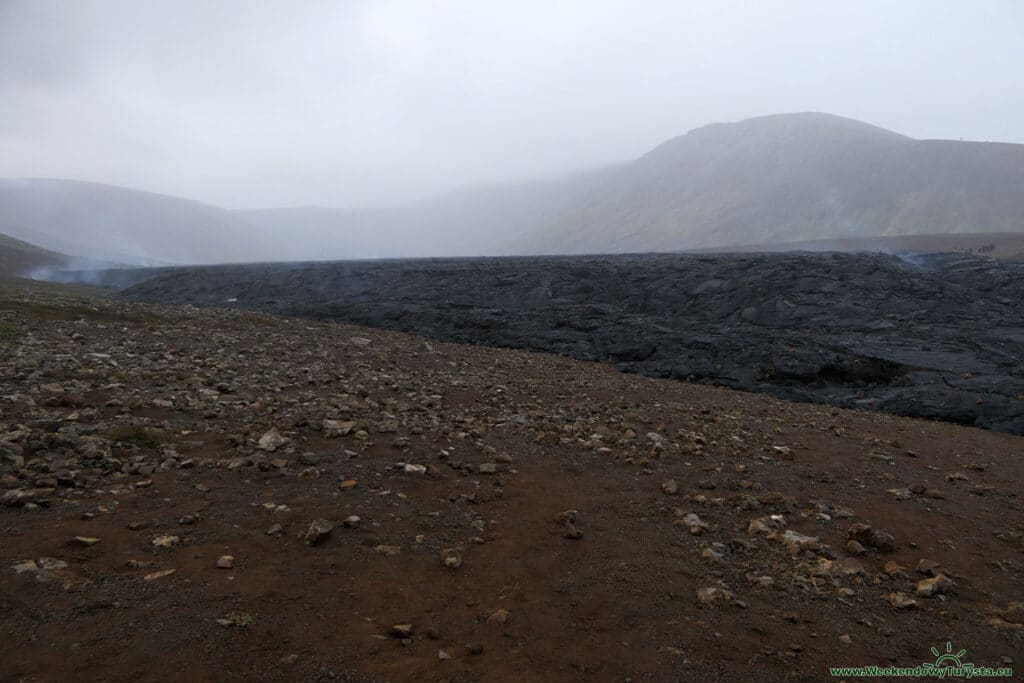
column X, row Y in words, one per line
column 192, row 393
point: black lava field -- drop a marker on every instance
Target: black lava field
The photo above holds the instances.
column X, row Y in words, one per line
column 936, row 336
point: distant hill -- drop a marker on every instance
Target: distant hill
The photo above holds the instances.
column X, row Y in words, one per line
column 473, row 221
column 774, row 179
column 764, row 181
column 20, row 258
column 788, row 178
column 107, row 223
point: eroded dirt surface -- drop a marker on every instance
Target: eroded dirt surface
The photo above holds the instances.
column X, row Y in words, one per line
column 521, row 516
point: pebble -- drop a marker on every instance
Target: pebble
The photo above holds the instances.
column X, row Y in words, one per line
column 158, row 575
column 452, row 558
column 402, row 630
column 271, row 441
column 85, row 541
column 319, row 530
column 225, row 562
column 572, row 533
column 711, row 595
column 901, row 601
column 940, row 583
column 500, row 616
column 166, row 541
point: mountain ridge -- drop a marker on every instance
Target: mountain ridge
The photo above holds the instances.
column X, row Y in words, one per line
column 766, row 180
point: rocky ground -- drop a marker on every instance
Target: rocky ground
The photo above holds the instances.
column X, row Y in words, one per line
column 938, row 336
column 221, row 495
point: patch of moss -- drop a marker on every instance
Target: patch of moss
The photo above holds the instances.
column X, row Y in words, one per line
column 8, row 331
column 240, row 619
column 137, row 436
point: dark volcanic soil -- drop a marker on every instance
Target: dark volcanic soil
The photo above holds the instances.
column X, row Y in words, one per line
column 938, row 336
column 608, row 527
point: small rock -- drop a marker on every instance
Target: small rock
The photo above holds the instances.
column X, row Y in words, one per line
column 335, row 428
column 711, row 595
column 415, row 469
column 500, row 616
column 84, row 541
column 488, row 468
column 566, row 517
column 402, row 630
column 884, row 542
column 695, row 524
column 17, row 498
column 939, row 583
column 868, row 537
column 901, row 601
column 452, row 558
column 855, row 548
column 319, row 530
column 225, row 562
column 351, row 522
column 274, row 530
column 166, row 541
column 670, row 487
column 26, row 566
column 572, row 533
column 271, row 441
column 158, row 575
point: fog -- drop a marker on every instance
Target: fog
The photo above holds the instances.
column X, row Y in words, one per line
column 262, row 104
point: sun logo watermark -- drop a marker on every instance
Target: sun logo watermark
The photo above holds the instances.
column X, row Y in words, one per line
column 947, row 664
column 947, row 658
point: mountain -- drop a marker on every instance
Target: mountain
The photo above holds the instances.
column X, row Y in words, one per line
column 19, row 258
column 788, row 178
column 773, row 179
column 107, row 223
column 769, row 180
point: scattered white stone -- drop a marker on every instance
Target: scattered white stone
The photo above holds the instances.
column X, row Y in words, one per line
column 271, row 441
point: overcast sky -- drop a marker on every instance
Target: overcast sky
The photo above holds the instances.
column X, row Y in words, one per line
column 255, row 103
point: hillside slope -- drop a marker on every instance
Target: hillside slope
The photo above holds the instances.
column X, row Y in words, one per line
column 783, row 178
column 788, row 178
column 103, row 222
column 18, row 257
